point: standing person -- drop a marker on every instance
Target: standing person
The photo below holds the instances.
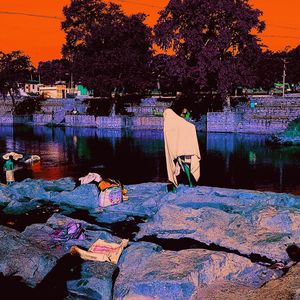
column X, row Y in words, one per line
column 9, row 170
column 186, row 114
column 181, row 148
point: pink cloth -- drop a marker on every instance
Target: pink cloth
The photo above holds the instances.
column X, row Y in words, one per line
column 89, row 178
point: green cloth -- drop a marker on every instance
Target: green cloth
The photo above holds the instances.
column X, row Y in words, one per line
column 9, row 165
column 187, row 115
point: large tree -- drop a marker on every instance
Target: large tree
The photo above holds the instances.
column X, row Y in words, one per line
column 54, row 70
column 108, row 49
column 269, row 69
column 15, row 68
column 162, row 76
column 293, row 65
column 214, row 42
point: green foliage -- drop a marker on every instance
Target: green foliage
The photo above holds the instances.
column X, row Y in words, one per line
column 27, row 106
column 15, row 68
column 293, row 128
column 109, row 50
column 125, row 100
column 54, row 70
column 99, row 107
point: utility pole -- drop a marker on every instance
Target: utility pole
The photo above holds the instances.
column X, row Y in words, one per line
column 283, row 77
column 71, row 83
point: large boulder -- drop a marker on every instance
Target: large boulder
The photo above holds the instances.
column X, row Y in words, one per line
column 147, row 272
column 27, row 190
column 18, row 208
column 30, row 189
column 83, row 197
column 243, row 221
column 19, row 257
column 4, row 198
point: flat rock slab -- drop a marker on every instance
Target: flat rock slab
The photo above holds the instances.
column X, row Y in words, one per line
column 20, row 196
column 143, row 202
column 83, row 197
column 244, row 221
column 148, row 272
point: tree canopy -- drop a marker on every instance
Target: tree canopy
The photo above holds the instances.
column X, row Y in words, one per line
column 54, row 70
column 15, row 68
column 108, row 49
column 214, row 42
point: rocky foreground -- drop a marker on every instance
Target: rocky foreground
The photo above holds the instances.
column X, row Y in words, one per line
column 200, row 243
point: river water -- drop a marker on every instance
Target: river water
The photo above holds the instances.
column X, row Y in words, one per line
column 228, row 160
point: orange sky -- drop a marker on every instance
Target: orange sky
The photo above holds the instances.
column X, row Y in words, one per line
column 42, row 39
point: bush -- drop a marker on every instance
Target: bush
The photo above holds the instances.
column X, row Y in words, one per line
column 27, row 106
column 99, row 107
column 293, row 128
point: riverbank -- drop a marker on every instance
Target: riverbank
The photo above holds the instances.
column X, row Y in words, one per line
column 182, row 246
column 271, row 115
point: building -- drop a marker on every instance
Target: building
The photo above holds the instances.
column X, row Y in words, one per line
column 58, row 91
column 32, row 87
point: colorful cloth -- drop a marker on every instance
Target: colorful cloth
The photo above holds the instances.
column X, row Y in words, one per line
column 73, row 231
column 102, row 251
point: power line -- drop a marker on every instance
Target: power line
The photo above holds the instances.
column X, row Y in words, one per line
column 280, row 36
column 30, row 15
column 142, row 4
column 283, row 27
column 148, row 5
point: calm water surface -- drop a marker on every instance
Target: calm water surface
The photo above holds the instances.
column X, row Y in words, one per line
column 228, row 160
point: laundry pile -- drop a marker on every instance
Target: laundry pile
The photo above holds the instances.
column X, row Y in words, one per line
column 112, row 191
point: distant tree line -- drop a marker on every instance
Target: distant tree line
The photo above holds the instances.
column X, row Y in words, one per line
column 206, row 49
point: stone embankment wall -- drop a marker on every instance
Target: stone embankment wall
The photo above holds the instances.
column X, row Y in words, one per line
column 271, row 115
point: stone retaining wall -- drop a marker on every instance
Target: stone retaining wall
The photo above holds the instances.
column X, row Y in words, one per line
column 239, row 122
column 271, row 115
column 111, row 122
column 42, row 119
column 11, row 120
column 147, row 122
column 116, row 122
column 6, row 120
column 80, row 120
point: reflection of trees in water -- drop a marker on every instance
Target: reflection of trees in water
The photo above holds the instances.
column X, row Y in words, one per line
column 253, row 164
column 228, row 160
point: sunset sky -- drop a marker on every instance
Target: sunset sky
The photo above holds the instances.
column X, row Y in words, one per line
column 41, row 38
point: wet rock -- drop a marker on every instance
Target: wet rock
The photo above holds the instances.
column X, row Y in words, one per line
column 18, row 208
column 249, row 222
column 83, row 197
column 95, row 282
column 147, row 272
column 59, row 185
column 40, row 235
column 4, row 198
column 27, row 190
column 143, row 202
column 19, row 257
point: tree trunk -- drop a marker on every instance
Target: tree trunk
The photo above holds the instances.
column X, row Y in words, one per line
column 12, row 98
